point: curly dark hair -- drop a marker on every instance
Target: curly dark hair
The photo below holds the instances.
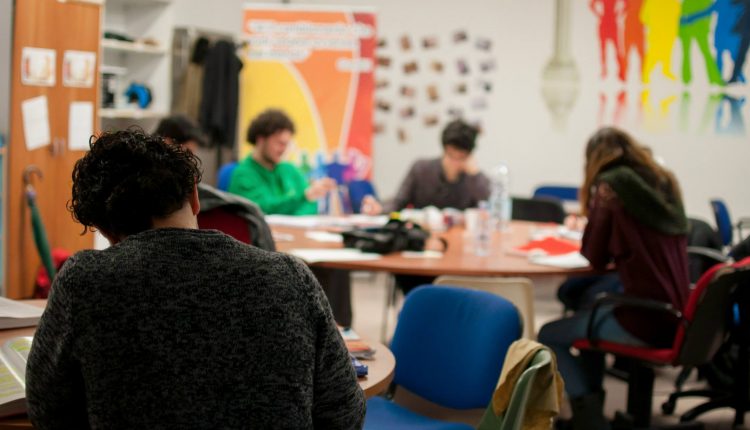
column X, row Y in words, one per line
column 267, row 123
column 460, row 135
column 128, row 178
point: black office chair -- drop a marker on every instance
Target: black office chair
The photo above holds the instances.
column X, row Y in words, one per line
column 538, row 210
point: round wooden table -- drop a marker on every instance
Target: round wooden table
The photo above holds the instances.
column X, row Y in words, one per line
column 458, row 259
column 380, row 370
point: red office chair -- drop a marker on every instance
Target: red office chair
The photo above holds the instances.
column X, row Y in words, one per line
column 226, row 221
column 704, row 324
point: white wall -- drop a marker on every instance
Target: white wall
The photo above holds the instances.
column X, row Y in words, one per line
column 677, row 122
column 6, row 48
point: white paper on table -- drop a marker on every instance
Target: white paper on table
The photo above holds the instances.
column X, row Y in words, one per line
column 313, row 255
column 80, row 125
column 422, row 254
column 571, row 260
column 324, row 236
column 35, row 113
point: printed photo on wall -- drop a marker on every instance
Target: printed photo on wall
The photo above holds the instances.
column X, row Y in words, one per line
column 405, row 43
column 38, row 66
column 433, row 93
column 382, row 84
column 479, row 103
column 408, row 91
column 484, row 85
column 455, row 112
column 460, row 36
column 460, row 88
column 407, row 112
column 384, row 61
column 402, row 136
column 430, row 120
column 437, row 66
column 484, row 44
column 487, row 65
column 410, row 67
column 383, row 105
column 463, row 66
column 79, row 69
column 429, row 42
column 382, row 43
column 378, row 128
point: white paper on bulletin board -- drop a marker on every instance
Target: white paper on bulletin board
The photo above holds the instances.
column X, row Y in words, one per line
column 80, row 125
column 35, row 112
column 79, row 68
column 38, row 66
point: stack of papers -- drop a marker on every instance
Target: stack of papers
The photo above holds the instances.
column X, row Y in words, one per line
column 356, row 346
column 571, row 260
column 16, row 314
column 313, row 255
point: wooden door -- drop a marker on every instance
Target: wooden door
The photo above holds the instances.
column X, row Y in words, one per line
column 48, row 24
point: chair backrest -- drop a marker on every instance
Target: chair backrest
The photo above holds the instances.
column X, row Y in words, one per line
column 538, row 210
column 701, row 235
column 224, row 220
column 723, row 221
column 450, row 344
column 519, row 291
column 358, row 189
column 224, row 176
column 708, row 313
column 561, row 192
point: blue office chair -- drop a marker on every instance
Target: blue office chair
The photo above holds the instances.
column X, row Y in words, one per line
column 562, row 192
column 357, row 191
column 450, row 345
column 224, row 177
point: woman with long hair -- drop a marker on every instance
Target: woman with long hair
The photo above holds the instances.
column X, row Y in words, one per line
column 636, row 221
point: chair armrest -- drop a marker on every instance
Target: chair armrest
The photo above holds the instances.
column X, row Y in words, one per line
column 626, row 301
column 708, row 253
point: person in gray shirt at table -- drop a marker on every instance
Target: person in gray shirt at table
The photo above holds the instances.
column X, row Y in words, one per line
column 173, row 327
column 452, row 180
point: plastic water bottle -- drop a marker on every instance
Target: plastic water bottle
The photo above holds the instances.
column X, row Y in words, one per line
column 483, row 233
column 500, row 202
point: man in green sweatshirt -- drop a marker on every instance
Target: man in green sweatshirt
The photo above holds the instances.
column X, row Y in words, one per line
column 278, row 187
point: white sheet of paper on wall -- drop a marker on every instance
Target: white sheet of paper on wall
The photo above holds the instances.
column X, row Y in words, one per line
column 80, row 125
column 38, row 66
column 35, row 113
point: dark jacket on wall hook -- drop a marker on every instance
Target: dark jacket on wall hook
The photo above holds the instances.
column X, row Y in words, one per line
column 218, row 110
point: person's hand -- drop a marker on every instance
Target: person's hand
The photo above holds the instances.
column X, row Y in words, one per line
column 319, row 188
column 370, row 206
column 471, row 168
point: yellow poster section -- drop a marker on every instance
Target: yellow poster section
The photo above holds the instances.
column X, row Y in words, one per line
column 270, row 84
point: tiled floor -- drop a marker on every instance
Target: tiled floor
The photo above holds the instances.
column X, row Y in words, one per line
column 368, row 295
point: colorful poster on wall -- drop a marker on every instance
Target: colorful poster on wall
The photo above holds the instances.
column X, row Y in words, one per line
column 316, row 63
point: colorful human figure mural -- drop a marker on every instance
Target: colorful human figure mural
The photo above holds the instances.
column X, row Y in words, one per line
column 662, row 20
column 632, row 35
column 697, row 30
column 742, row 28
column 608, row 13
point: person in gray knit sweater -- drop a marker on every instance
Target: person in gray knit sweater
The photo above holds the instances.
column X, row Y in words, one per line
column 175, row 327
